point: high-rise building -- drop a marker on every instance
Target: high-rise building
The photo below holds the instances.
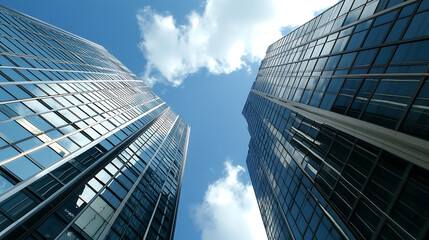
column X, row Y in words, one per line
column 339, row 123
column 87, row 151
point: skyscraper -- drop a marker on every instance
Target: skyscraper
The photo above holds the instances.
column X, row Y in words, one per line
column 339, row 123
column 87, row 151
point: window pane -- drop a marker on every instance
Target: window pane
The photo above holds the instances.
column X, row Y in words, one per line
column 51, row 227
column 91, row 223
column 4, row 184
column 396, row 31
column 417, row 120
column 23, row 167
column 389, row 101
column 416, row 51
column 365, row 57
column 376, row 35
column 419, row 26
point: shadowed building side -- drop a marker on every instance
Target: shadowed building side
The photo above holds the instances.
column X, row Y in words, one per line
column 339, row 123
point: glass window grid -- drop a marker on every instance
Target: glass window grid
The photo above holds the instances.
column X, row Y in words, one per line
column 255, row 104
column 182, row 125
column 56, row 36
column 266, row 155
column 141, row 225
column 93, row 106
column 54, row 50
column 60, row 127
column 298, row 94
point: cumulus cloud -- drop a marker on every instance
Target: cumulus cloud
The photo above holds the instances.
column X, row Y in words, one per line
column 229, row 210
column 224, row 37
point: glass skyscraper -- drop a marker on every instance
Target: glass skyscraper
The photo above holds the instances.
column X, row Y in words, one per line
column 339, row 123
column 87, row 151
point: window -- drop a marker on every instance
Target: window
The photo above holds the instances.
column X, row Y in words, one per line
column 383, row 55
column 13, row 131
column 376, row 35
column 23, row 167
column 385, row 180
column 4, row 186
column 417, row 120
column 362, row 97
column 397, row 29
column 45, row 186
column 45, row 156
column 415, row 51
column 389, row 101
column 18, row 205
column 347, row 60
column 91, row 223
column 364, row 58
column 51, row 227
column 102, row 208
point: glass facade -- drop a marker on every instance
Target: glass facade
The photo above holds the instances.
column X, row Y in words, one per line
column 339, row 123
column 87, row 151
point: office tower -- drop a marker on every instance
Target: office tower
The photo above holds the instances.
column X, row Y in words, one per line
column 87, row 151
column 339, row 123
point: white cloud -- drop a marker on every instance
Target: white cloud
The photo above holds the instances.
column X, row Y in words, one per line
column 229, row 210
column 225, row 37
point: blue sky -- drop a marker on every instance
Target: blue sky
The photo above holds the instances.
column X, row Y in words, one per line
column 201, row 57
